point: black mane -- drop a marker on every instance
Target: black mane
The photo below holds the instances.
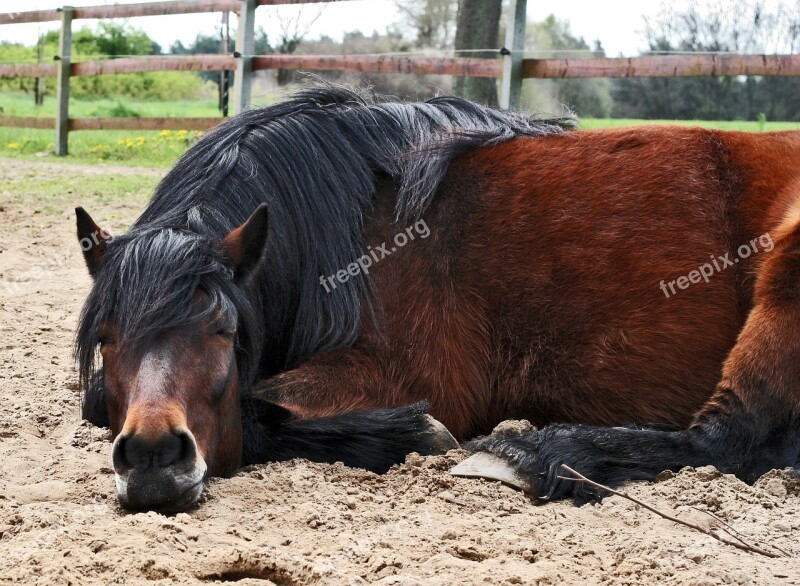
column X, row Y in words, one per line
column 314, row 160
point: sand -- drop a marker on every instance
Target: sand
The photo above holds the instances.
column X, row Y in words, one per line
column 304, row 523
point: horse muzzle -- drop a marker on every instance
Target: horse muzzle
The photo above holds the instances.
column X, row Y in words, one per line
column 163, row 473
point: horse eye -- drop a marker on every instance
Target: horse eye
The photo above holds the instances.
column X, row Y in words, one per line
column 227, row 333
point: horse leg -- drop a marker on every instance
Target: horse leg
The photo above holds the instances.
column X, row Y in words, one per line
column 332, row 383
column 374, row 440
column 750, row 425
column 309, row 413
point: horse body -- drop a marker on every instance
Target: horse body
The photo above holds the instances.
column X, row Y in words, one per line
column 538, row 293
column 543, row 275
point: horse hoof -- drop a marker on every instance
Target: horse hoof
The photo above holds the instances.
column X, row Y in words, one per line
column 485, row 465
column 443, row 440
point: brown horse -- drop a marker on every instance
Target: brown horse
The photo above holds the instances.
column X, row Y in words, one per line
column 492, row 265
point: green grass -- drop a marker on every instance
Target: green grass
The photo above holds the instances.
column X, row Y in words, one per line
column 162, row 149
column 121, row 147
column 749, row 126
column 20, row 104
column 44, row 193
column 125, row 147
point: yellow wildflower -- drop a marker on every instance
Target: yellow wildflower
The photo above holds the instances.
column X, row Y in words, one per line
column 13, row 145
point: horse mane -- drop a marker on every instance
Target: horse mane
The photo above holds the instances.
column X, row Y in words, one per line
column 315, row 160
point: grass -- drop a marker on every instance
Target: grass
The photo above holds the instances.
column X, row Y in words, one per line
column 21, row 104
column 744, row 125
column 113, row 198
column 121, row 147
column 124, row 147
column 162, row 149
column 45, row 192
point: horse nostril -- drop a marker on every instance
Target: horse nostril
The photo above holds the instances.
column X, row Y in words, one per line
column 188, row 448
column 118, row 458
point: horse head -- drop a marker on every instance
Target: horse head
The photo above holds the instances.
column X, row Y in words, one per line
column 176, row 336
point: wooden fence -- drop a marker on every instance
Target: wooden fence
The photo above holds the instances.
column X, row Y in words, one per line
column 509, row 66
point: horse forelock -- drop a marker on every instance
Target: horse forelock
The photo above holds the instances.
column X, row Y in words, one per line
column 146, row 286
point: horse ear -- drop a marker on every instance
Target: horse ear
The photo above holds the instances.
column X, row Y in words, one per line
column 92, row 239
column 244, row 246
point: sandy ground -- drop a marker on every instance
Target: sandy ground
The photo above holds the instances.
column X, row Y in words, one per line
column 304, row 523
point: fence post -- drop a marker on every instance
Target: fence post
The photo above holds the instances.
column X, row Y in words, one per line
column 511, row 82
column 245, row 45
column 62, row 83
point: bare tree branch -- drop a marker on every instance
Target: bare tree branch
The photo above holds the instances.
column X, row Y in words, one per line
column 740, row 544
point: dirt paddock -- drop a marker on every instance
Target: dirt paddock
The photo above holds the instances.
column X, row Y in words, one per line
column 301, row 523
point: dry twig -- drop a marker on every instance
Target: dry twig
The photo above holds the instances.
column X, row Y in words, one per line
column 735, row 533
column 578, row 477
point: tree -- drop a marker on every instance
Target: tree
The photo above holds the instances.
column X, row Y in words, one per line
column 107, row 40
column 294, row 25
column 586, row 97
column 432, row 21
column 477, row 27
column 211, row 44
column 716, row 26
column 110, row 39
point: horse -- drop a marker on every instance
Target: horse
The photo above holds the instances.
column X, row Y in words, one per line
column 346, row 278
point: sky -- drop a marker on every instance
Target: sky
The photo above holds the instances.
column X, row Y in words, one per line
column 618, row 24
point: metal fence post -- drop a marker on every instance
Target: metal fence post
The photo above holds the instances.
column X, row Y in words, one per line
column 245, row 46
column 511, row 82
column 62, row 83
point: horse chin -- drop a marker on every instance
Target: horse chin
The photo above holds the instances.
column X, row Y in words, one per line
column 161, row 491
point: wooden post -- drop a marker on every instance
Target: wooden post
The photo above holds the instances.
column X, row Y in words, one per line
column 511, row 82
column 245, row 46
column 62, row 84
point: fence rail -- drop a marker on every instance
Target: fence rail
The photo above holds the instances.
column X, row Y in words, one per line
column 664, row 66
column 124, row 11
column 144, row 9
column 143, row 123
column 382, row 64
column 113, row 123
column 27, row 122
column 147, row 64
column 649, row 66
column 509, row 66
